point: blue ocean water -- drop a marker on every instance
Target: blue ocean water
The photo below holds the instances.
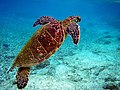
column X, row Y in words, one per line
column 94, row 64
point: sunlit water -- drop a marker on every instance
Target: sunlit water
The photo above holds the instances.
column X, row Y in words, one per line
column 94, row 64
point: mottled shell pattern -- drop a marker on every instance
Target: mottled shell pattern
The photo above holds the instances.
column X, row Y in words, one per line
column 44, row 42
column 42, row 45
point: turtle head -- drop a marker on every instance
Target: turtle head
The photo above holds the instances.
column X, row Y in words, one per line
column 71, row 19
column 74, row 18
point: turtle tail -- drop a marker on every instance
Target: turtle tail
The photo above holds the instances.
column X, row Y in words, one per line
column 22, row 77
column 10, row 70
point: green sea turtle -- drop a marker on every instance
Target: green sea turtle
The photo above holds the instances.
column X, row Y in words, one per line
column 44, row 42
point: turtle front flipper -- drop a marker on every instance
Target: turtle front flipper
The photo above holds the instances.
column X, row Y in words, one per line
column 43, row 20
column 74, row 30
column 22, row 77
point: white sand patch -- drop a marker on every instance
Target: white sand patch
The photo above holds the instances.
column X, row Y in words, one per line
column 48, row 83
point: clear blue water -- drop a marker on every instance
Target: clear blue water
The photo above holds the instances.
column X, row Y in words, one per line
column 91, row 65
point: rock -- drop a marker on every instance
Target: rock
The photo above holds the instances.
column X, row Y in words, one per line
column 43, row 65
column 9, row 57
column 118, row 49
column 61, row 71
column 108, row 36
column 6, row 47
column 118, row 38
column 111, row 86
column 110, row 79
column 107, row 42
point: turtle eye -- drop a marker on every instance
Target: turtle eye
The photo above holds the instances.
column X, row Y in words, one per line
column 78, row 19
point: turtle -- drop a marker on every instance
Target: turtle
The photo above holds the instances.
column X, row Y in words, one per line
column 43, row 43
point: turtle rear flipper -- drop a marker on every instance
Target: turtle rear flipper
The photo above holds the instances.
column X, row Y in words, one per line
column 22, row 77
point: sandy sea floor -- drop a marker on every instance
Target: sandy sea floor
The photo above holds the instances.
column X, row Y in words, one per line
column 94, row 64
